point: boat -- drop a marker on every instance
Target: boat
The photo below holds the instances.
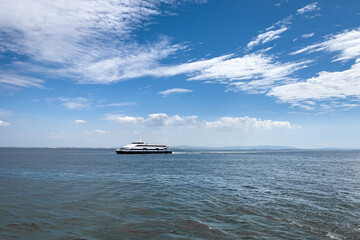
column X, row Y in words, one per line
column 143, row 148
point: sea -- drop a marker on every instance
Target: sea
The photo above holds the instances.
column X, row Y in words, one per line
column 191, row 194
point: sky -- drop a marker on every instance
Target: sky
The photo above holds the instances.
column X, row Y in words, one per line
column 103, row 73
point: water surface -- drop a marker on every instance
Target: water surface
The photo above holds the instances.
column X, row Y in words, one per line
column 96, row 194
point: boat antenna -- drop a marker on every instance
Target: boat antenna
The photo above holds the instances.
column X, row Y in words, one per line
column 140, row 139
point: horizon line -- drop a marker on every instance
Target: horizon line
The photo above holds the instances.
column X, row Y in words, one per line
column 184, row 147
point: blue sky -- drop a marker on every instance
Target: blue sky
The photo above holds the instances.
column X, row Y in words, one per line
column 203, row 73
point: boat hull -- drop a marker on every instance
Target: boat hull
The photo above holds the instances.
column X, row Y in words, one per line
column 143, row 152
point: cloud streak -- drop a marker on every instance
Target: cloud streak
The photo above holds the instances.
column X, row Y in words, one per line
column 326, row 86
column 56, row 30
column 328, row 90
column 308, row 8
column 97, row 131
column 266, row 37
column 77, row 41
column 253, row 72
column 11, row 81
column 120, row 104
column 80, row 121
column 75, row 103
column 155, row 120
column 168, row 92
column 347, row 43
column 162, row 120
column 89, row 41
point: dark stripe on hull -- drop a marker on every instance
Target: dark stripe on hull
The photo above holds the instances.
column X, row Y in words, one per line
column 143, row 152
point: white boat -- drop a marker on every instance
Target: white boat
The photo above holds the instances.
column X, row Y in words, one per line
column 143, row 148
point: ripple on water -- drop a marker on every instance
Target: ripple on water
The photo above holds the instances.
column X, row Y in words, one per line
column 24, row 227
column 134, row 230
column 88, row 194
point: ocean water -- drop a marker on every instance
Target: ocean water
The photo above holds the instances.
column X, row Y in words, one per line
column 96, row 194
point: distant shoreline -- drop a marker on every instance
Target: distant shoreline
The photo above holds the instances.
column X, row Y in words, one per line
column 192, row 148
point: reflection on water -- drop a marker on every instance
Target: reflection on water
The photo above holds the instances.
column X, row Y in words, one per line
column 96, row 194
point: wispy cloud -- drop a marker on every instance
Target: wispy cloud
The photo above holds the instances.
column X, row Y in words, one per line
column 247, row 123
column 9, row 80
column 78, row 38
column 307, row 35
column 155, row 120
column 326, row 86
column 174, row 91
column 347, row 43
column 79, row 121
column 132, row 61
column 252, row 72
column 185, row 68
column 163, row 120
column 4, row 124
column 271, row 33
column 308, row 8
column 80, row 103
column 75, row 103
column 309, row 49
column 263, row 70
column 55, row 31
column 97, row 131
column 120, row 104
column 75, row 38
column 266, row 37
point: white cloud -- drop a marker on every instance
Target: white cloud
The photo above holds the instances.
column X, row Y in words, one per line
column 307, row 35
column 308, row 8
column 311, row 48
column 55, row 30
column 4, row 124
column 155, row 120
column 79, row 121
column 131, row 62
column 200, row 1
column 185, row 68
column 174, row 91
column 120, row 104
column 326, row 86
column 8, row 80
column 89, row 41
column 161, row 119
column 124, row 119
column 75, row 103
column 328, row 90
column 262, row 71
column 347, row 43
column 101, row 132
column 79, row 103
column 247, row 123
column 235, row 123
column 266, row 37
column 75, row 35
